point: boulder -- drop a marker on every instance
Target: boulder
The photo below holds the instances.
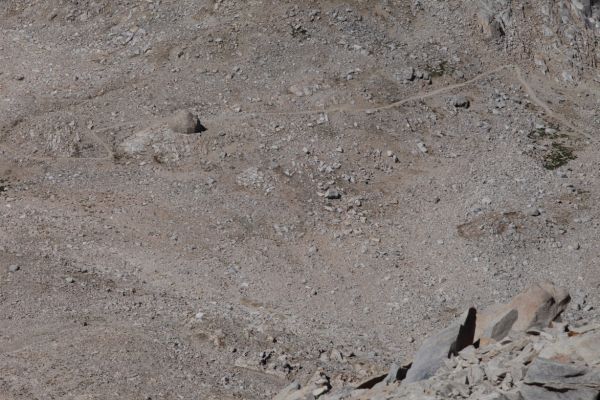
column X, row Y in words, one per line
column 185, row 122
column 536, row 308
column 439, row 347
column 555, row 374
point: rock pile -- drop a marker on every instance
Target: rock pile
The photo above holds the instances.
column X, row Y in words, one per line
column 515, row 351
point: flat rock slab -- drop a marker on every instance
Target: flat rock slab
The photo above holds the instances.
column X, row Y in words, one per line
column 529, row 392
column 562, row 376
column 439, row 347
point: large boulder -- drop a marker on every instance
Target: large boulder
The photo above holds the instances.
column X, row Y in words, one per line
column 439, row 347
column 535, row 308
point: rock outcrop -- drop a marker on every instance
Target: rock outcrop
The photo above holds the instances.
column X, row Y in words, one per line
column 515, row 351
column 439, row 347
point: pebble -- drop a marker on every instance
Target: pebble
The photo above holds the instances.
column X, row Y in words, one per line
column 422, row 147
column 69, row 279
column 13, row 268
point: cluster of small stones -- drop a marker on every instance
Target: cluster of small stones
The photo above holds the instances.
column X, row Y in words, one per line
column 517, row 351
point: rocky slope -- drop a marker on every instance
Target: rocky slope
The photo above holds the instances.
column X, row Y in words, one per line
column 512, row 352
column 363, row 171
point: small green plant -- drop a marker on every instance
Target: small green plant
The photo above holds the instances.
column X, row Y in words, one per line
column 439, row 70
column 558, row 156
column 550, row 132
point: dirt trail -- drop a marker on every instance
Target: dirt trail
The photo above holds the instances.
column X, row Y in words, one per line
column 533, row 96
column 343, row 108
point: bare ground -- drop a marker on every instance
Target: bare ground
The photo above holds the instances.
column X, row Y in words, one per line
column 212, row 265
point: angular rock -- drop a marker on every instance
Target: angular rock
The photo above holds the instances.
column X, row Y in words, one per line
column 498, row 328
column 531, row 392
column 562, row 376
column 495, row 370
column 536, row 307
column 469, row 354
column 475, row 375
column 439, row 347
